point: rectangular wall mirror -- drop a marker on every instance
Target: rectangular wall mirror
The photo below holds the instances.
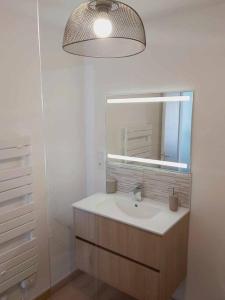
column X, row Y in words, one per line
column 151, row 130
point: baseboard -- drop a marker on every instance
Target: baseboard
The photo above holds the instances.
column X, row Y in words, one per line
column 47, row 294
column 44, row 296
column 64, row 281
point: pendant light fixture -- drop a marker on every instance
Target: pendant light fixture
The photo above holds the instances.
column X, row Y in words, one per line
column 104, row 28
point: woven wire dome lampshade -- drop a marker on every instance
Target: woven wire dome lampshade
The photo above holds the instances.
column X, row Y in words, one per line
column 104, row 28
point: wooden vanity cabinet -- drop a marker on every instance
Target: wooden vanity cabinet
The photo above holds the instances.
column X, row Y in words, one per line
column 142, row 264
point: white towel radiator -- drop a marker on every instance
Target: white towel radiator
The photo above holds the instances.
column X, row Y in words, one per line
column 18, row 252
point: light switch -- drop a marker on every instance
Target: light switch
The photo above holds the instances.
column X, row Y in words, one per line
column 101, row 159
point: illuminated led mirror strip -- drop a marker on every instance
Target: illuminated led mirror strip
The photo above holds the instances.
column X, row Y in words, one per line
column 149, row 99
column 148, row 161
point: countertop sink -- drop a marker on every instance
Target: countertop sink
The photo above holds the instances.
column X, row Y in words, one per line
column 149, row 215
column 138, row 210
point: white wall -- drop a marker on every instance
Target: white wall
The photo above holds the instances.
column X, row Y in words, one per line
column 21, row 108
column 186, row 51
column 62, row 76
column 61, row 125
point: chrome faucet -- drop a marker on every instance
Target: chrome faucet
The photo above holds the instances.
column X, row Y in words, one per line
column 137, row 193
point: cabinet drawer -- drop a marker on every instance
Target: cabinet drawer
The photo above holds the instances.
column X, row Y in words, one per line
column 129, row 277
column 85, row 225
column 139, row 245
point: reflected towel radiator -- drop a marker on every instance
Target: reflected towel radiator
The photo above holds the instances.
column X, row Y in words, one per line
column 137, row 141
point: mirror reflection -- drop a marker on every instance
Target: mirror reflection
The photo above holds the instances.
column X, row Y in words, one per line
column 153, row 130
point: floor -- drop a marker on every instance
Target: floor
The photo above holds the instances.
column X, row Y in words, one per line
column 84, row 287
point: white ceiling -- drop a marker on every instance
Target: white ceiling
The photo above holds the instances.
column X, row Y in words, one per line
column 146, row 8
column 55, row 11
column 154, row 8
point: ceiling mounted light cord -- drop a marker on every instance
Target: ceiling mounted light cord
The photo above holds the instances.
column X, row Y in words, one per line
column 104, row 29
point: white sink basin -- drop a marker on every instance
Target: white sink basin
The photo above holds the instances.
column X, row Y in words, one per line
column 128, row 208
column 149, row 215
column 138, row 210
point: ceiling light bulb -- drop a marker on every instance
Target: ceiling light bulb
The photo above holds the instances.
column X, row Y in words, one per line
column 102, row 27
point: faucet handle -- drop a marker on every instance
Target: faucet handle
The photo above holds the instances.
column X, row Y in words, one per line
column 137, row 192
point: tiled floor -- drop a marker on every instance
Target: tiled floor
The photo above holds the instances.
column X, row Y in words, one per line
column 84, row 287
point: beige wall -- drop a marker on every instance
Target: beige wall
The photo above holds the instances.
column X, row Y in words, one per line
column 186, row 51
column 61, row 125
column 62, row 77
column 21, row 109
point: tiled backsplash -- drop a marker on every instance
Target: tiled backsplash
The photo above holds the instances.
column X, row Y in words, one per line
column 157, row 183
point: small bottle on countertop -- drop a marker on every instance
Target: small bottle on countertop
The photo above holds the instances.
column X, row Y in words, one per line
column 173, row 201
column 111, row 185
